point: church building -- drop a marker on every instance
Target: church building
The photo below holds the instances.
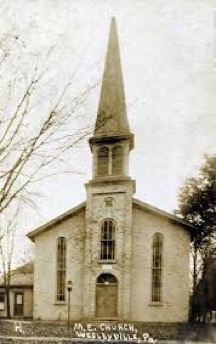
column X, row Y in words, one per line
column 127, row 260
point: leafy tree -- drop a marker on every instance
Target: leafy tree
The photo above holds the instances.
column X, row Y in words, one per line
column 197, row 204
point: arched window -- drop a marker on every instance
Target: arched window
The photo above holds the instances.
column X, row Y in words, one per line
column 61, row 269
column 117, row 160
column 103, row 161
column 157, row 257
column 108, row 240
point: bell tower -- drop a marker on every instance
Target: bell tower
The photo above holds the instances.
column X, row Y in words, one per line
column 112, row 140
column 109, row 196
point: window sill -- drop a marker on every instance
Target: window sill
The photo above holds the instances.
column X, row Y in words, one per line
column 105, row 262
column 60, row 303
column 156, row 303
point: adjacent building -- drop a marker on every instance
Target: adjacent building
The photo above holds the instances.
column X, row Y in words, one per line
column 21, row 292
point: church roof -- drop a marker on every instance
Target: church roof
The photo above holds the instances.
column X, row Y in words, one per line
column 71, row 212
column 150, row 208
column 137, row 203
column 111, row 116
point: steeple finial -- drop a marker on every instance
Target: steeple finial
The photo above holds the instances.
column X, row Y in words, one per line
column 112, row 115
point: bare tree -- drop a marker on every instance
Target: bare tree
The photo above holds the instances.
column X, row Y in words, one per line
column 12, row 254
column 32, row 137
column 27, row 255
column 8, row 232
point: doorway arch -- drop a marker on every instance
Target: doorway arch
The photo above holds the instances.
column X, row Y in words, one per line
column 107, row 296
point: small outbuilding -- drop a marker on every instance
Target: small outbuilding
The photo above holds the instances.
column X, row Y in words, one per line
column 21, row 293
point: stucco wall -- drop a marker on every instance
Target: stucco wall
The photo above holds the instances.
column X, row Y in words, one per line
column 175, row 278
column 45, row 304
column 132, row 265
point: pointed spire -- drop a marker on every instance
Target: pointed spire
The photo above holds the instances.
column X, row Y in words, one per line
column 112, row 115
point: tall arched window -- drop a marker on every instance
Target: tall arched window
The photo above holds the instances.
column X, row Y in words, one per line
column 103, row 161
column 117, row 160
column 157, row 257
column 108, row 240
column 61, row 269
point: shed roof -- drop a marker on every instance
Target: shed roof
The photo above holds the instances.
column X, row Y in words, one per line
column 21, row 276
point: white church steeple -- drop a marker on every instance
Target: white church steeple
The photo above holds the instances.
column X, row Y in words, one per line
column 112, row 140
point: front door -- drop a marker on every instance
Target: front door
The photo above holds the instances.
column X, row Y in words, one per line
column 18, row 304
column 106, row 296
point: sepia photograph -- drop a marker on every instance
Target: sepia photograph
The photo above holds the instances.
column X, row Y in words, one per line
column 107, row 171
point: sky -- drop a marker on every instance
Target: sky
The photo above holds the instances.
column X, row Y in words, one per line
column 168, row 62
